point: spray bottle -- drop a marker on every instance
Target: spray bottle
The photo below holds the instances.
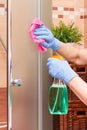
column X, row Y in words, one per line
column 58, row 96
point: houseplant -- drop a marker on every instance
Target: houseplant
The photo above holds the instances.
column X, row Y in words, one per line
column 67, row 33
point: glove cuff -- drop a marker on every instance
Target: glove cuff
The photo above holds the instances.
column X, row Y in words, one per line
column 56, row 44
column 70, row 76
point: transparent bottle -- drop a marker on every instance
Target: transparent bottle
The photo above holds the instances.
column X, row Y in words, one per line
column 58, row 98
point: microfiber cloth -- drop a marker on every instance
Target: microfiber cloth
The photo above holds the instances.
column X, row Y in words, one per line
column 35, row 24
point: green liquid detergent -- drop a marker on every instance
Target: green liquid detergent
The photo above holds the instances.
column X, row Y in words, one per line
column 58, row 99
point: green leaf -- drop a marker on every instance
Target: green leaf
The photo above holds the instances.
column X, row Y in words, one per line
column 67, row 33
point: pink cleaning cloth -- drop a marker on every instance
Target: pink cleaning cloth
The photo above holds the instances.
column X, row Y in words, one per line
column 35, row 24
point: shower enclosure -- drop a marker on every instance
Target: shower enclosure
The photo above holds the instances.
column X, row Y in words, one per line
column 27, row 76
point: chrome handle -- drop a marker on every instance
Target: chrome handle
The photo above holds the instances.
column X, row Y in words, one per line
column 16, row 82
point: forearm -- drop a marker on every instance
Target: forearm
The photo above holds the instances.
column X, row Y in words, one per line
column 79, row 87
column 69, row 52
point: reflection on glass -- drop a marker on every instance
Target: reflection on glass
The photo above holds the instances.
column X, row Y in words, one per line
column 3, row 64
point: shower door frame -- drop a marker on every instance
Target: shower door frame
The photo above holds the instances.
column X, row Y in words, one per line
column 9, row 64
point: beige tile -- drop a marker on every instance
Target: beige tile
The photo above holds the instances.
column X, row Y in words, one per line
column 85, row 39
column 3, row 55
column 3, row 70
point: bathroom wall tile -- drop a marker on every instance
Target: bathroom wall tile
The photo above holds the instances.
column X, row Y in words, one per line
column 85, row 27
column 85, row 3
column 85, row 39
column 78, row 4
column 3, row 71
column 3, row 32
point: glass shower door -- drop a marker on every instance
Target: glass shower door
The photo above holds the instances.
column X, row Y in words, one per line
column 25, row 105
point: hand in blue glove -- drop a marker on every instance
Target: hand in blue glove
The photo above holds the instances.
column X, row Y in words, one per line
column 50, row 42
column 60, row 69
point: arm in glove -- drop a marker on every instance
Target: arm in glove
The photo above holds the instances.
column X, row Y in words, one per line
column 60, row 69
column 50, row 42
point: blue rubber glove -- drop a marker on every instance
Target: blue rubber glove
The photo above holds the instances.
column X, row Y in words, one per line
column 60, row 69
column 50, row 42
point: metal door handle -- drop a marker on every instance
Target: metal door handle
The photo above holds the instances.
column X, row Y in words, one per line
column 16, row 82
